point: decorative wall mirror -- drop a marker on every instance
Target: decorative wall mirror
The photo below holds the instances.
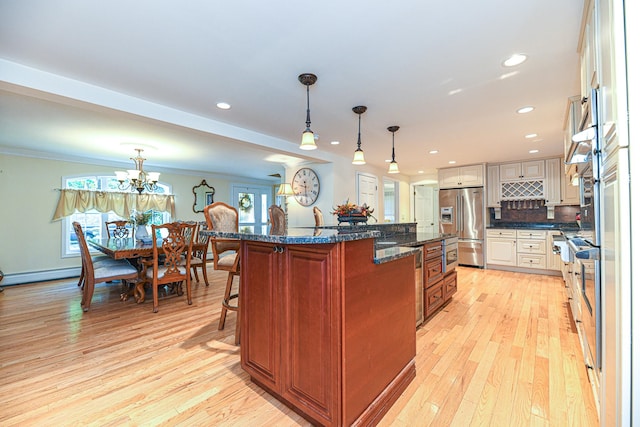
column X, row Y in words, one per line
column 203, row 194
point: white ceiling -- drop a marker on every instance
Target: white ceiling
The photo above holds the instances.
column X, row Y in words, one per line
column 97, row 79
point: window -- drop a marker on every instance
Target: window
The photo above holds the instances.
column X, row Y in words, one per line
column 93, row 221
column 390, row 200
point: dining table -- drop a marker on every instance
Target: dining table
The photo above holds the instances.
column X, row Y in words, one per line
column 136, row 251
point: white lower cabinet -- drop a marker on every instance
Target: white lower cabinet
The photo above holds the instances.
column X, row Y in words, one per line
column 518, row 248
column 501, row 247
column 532, row 249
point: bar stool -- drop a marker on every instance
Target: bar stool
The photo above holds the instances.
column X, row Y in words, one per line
column 226, row 256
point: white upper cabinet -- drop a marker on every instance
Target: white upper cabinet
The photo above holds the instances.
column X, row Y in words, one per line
column 464, row 176
column 554, row 182
column 522, row 171
column 493, row 186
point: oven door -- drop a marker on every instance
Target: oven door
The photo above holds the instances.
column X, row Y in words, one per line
column 588, row 265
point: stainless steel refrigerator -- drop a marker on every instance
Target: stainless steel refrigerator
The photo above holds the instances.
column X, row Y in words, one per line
column 461, row 213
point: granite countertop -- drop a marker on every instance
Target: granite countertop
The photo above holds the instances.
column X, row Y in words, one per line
column 386, row 248
column 535, row 226
column 302, row 235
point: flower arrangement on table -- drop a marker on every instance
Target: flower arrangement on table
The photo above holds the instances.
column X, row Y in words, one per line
column 140, row 218
column 350, row 212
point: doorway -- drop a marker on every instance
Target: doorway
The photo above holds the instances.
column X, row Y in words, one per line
column 367, row 190
column 425, row 207
column 252, row 203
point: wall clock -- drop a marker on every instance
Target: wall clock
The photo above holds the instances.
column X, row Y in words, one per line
column 306, row 186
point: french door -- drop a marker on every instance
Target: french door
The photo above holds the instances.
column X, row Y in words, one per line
column 252, row 203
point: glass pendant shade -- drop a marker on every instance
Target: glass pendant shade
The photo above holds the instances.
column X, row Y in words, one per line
column 358, row 157
column 308, row 140
column 393, row 167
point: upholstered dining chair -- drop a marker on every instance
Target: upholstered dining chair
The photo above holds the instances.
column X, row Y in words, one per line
column 317, row 215
column 100, row 272
column 117, row 228
column 278, row 220
column 171, row 262
column 226, row 255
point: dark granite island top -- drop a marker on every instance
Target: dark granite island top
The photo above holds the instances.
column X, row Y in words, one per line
column 383, row 252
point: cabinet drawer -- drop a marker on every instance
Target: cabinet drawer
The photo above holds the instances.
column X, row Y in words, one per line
column 433, row 250
column 532, row 261
column 532, row 234
column 501, row 233
column 450, row 285
column 532, row 246
column 433, row 299
column 432, row 271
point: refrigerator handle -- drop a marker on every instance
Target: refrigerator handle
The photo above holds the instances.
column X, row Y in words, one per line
column 461, row 213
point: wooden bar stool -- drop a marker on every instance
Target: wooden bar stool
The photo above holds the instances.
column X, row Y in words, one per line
column 226, row 256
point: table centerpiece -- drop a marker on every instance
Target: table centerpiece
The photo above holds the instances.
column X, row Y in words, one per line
column 352, row 213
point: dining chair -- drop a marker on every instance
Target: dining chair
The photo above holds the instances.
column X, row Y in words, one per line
column 278, row 220
column 317, row 215
column 100, row 272
column 117, row 228
column 226, row 256
column 171, row 262
column 200, row 252
column 200, row 249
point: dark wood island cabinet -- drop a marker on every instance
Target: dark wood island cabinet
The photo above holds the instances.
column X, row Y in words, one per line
column 326, row 330
column 326, row 325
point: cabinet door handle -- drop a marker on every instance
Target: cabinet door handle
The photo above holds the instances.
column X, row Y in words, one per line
column 278, row 249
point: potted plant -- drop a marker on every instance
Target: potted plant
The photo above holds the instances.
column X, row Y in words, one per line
column 140, row 220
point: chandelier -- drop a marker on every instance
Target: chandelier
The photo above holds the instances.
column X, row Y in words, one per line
column 137, row 179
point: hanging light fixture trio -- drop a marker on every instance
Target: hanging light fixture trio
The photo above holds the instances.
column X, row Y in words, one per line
column 308, row 138
column 393, row 166
column 358, row 156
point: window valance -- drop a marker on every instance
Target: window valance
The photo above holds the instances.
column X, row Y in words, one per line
column 122, row 204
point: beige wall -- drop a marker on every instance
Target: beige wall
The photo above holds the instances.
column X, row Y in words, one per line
column 31, row 242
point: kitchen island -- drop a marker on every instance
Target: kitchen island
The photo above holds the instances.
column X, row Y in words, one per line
column 328, row 322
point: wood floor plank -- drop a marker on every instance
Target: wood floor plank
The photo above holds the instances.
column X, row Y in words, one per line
column 502, row 352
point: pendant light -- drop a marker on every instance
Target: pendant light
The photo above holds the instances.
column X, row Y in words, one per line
column 308, row 139
column 393, row 166
column 358, row 156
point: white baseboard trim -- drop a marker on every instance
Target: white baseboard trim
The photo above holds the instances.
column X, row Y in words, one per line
column 39, row 276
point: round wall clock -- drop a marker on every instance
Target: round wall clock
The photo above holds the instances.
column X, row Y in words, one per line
column 306, row 186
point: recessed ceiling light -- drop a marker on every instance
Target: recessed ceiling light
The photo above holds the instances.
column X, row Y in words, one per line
column 515, row 59
column 433, row 152
column 453, row 92
column 507, row 75
column 451, row 162
column 420, row 171
column 533, row 151
column 223, row 105
column 387, row 161
column 524, row 110
column 335, row 142
column 531, row 135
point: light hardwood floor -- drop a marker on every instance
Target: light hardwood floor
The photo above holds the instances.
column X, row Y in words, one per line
column 502, row 353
